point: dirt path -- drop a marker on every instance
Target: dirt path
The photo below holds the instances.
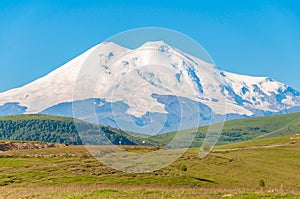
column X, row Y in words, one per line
column 251, row 147
column 270, row 133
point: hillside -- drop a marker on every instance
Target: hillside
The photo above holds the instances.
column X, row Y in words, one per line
column 55, row 129
column 244, row 129
column 70, row 172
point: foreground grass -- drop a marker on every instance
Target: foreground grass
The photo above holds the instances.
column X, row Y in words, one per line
column 86, row 191
column 72, row 173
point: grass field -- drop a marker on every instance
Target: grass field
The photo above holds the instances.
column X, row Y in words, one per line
column 241, row 170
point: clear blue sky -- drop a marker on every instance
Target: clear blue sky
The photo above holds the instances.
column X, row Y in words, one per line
column 255, row 37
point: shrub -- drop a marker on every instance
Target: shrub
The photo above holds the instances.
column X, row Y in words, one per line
column 182, row 167
column 262, row 183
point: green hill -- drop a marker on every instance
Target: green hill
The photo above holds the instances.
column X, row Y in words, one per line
column 244, row 129
column 47, row 128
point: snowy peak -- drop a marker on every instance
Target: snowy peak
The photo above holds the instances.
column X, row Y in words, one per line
column 154, row 44
column 261, row 93
column 58, row 85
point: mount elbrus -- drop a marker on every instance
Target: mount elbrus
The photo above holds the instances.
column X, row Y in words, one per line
column 150, row 90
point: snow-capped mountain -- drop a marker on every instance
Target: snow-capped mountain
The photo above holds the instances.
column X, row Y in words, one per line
column 149, row 89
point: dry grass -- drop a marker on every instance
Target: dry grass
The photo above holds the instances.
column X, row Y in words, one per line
column 104, row 191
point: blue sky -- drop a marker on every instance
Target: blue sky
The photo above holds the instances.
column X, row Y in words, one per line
column 257, row 37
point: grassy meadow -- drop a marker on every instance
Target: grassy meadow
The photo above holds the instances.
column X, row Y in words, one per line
column 266, row 168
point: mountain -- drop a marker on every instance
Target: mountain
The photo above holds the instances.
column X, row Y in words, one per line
column 152, row 89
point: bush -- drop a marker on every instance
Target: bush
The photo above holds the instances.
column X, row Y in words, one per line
column 182, row 167
column 262, row 183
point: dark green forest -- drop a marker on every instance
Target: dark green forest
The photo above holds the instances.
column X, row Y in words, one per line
column 59, row 130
